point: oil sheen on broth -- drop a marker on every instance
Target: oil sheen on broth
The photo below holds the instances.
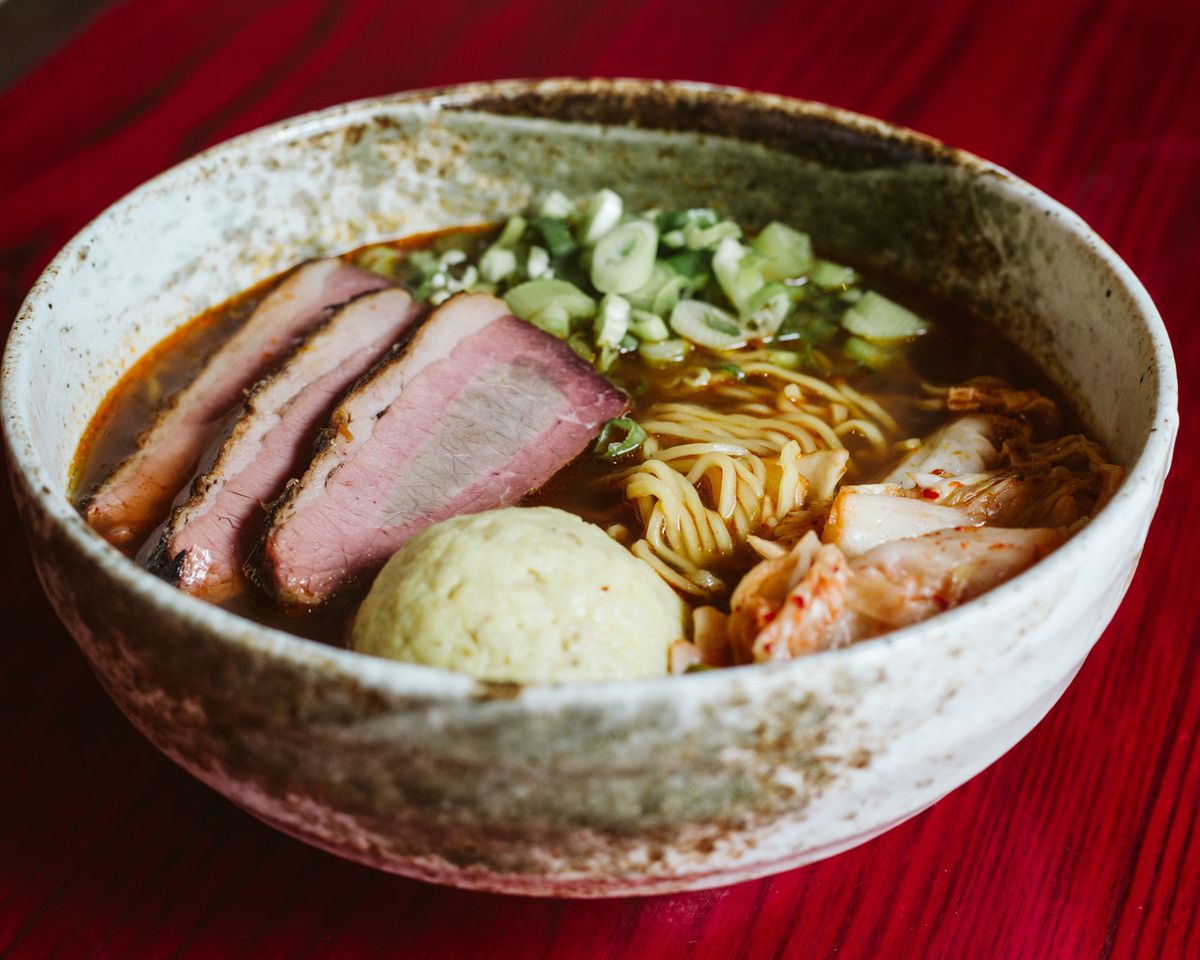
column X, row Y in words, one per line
column 958, row 347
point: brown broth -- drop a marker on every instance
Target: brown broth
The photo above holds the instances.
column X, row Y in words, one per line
column 129, row 407
column 958, row 347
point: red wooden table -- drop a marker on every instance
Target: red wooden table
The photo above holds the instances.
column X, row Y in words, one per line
column 1081, row 842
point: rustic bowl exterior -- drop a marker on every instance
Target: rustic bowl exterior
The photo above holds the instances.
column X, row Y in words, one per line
column 598, row 789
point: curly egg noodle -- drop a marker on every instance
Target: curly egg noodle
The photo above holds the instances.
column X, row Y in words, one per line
column 746, row 461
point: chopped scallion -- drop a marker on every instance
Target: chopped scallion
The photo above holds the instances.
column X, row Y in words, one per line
column 788, row 359
column 832, row 276
column 866, row 353
column 623, row 259
column 706, row 325
column 422, row 261
column 697, row 237
column 720, row 324
column 810, row 327
column 619, row 437
column 665, row 352
column 553, row 319
column 612, row 320
column 583, row 349
column 556, row 235
column 537, row 264
column 674, row 239
column 513, row 230
column 787, row 252
column 556, row 204
column 767, row 308
column 694, row 216
column 738, row 271
column 643, row 297
column 497, row 263
column 527, row 298
column 690, row 263
column 603, row 212
column 610, row 280
column 875, row 317
column 669, row 294
column 648, row 327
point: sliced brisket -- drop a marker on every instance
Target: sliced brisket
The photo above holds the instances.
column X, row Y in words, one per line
column 136, row 496
column 479, row 410
column 208, row 536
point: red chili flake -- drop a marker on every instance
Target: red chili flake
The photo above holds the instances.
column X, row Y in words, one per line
column 768, row 616
column 940, row 602
column 798, row 601
column 929, row 494
column 939, row 472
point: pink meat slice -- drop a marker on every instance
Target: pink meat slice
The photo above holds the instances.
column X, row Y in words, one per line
column 209, row 535
column 478, row 411
column 136, row 496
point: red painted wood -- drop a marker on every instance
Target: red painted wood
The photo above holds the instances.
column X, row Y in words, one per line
column 1081, row 842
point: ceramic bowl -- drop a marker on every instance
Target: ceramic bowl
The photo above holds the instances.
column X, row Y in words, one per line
column 600, row 789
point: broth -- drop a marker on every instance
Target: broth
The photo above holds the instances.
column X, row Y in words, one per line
column 958, row 347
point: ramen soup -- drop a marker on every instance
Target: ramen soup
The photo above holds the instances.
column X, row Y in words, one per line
column 588, row 443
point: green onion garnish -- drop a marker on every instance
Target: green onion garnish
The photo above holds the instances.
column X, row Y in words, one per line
column 610, row 444
column 738, row 271
column 794, row 359
column 611, row 280
column 690, row 263
column 788, row 253
column 525, row 299
column 706, row 238
column 832, row 276
column 706, row 325
column 665, row 352
column 556, row 204
column 678, row 219
column 877, row 318
column 512, row 232
column 556, row 235
column 623, row 259
column 866, row 353
column 497, row 263
column 721, row 325
column 602, row 213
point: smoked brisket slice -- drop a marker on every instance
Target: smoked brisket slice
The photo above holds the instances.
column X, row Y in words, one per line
column 208, row 536
column 136, row 496
column 479, row 410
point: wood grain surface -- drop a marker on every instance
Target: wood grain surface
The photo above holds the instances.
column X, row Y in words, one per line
column 1081, row 842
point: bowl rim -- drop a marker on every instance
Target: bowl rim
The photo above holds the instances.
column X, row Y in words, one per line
column 402, row 679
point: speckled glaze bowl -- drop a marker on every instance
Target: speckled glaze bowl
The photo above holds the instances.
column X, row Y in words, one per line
column 602, row 789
